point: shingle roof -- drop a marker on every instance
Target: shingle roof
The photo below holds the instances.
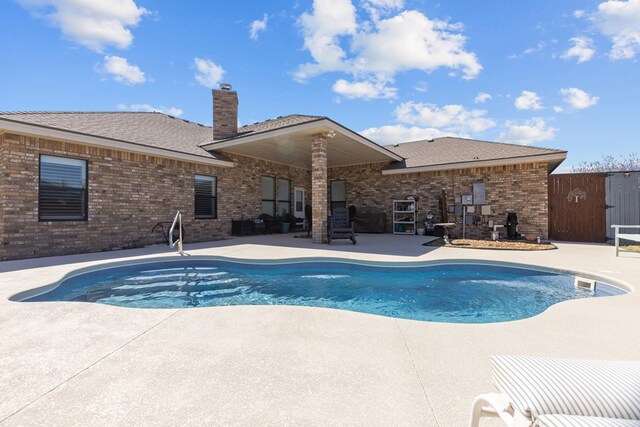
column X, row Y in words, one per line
column 270, row 124
column 166, row 132
column 151, row 129
column 448, row 150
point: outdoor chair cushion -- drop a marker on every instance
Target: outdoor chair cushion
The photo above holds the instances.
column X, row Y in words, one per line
column 578, row 421
column 538, row 386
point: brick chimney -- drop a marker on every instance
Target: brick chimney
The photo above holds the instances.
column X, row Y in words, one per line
column 225, row 112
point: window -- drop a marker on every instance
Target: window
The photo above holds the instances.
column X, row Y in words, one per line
column 62, row 195
column 338, row 194
column 284, row 196
column 206, row 206
column 269, row 195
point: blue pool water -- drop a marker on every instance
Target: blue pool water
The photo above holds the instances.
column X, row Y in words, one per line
column 460, row 293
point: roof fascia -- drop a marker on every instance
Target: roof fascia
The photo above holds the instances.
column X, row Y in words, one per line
column 77, row 137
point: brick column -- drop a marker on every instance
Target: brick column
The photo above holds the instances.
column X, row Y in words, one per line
column 319, row 187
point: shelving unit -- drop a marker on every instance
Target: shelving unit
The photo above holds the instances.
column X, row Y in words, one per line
column 405, row 215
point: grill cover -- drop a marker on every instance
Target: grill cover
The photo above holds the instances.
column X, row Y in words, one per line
column 369, row 220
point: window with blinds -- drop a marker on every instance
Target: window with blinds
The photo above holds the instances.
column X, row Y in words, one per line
column 62, row 195
column 268, row 189
column 206, row 197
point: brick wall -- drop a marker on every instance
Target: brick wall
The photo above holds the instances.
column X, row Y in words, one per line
column 225, row 114
column 519, row 188
column 128, row 194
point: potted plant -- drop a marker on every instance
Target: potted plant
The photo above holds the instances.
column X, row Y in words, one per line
column 284, row 222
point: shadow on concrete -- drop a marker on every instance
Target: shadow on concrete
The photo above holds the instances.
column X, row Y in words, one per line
column 374, row 244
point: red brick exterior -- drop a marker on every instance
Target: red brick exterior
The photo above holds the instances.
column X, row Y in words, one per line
column 518, row 188
column 225, row 114
column 129, row 193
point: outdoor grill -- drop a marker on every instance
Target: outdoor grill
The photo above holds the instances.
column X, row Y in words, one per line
column 512, row 225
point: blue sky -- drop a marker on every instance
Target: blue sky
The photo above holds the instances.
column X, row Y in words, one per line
column 558, row 74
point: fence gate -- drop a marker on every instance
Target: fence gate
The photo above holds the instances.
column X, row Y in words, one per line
column 623, row 201
column 577, row 207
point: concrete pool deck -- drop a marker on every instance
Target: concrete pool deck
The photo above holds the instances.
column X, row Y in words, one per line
column 92, row 364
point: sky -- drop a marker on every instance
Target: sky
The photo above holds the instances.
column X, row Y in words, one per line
column 547, row 73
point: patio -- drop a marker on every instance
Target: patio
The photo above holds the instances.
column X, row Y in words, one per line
column 91, row 364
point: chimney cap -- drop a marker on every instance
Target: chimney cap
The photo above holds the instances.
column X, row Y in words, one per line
column 225, row 86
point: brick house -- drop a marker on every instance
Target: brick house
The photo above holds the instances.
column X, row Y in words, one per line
column 82, row 182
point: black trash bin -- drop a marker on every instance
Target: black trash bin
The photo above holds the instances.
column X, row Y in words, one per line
column 512, row 223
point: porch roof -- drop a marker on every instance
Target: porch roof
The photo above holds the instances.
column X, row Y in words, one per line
column 287, row 140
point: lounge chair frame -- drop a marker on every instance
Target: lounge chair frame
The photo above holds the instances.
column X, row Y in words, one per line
column 340, row 226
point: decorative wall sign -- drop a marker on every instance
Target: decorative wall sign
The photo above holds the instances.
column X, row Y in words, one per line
column 576, row 194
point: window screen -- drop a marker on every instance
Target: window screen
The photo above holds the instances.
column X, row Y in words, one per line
column 63, row 189
column 269, row 195
column 206, row 195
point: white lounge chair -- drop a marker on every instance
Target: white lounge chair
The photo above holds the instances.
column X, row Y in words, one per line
column 626, row 236
column 546, row 392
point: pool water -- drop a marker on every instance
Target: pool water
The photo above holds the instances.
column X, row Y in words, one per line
column 456, row 293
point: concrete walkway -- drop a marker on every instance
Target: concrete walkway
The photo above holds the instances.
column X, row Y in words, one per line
column 91, row 364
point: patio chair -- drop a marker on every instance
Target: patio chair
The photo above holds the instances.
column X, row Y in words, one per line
column 272, row 224
column 540, row 392
column 340, row 227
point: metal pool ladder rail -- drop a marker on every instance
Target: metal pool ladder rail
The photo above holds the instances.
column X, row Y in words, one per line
column 176, row 220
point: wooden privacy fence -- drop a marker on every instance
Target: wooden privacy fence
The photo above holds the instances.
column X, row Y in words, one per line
column 577, row 207
column 583, row 206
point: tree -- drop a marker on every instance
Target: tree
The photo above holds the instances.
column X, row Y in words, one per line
column 609, row 164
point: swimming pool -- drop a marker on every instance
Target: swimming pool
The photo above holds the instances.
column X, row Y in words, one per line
column 455, row 293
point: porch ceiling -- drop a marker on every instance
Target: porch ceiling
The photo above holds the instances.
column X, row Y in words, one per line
column 292, row 146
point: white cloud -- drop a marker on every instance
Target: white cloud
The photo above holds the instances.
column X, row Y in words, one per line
column 172, row 111
column 321, row 29
column 452, row 118
column 527, row 132
column 122, row 71
column 582, row 49
column 380, row 48
column 422, row 87
column 481, row 98
column 377, row 8
column 558, row 108
column 411, row 41
column 365, row 90
column 528, row 101
column 620, row 20
column 529, row 51
column 399, row 133
column 257, row 26
column 208, row 73
column 95, row 24
column 577, row 98
column 579, row 13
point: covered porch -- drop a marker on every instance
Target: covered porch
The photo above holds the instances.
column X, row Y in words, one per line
column 315, row 147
